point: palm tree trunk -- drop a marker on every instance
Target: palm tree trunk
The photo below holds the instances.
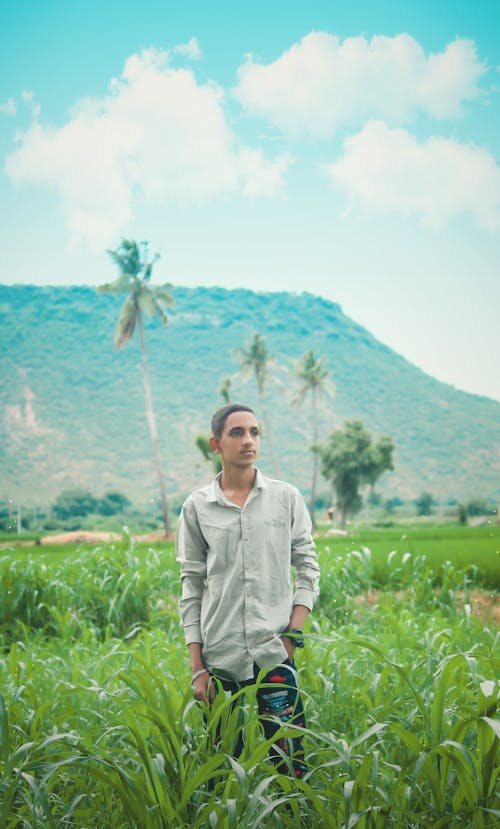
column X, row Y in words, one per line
column 274, row 462
column 315, row 459
column 152, row 424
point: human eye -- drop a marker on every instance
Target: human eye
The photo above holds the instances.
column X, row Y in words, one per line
column 235, row 432
column 254, row 432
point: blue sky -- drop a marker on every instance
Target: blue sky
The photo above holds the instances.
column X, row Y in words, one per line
column 351, row 150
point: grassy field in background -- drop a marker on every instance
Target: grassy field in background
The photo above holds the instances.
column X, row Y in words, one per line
column 463, row 546
column 98, row 727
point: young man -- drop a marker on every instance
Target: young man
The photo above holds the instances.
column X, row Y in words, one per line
column 236, row 541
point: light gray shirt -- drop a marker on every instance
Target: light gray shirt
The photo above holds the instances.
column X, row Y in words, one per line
column 236, row 572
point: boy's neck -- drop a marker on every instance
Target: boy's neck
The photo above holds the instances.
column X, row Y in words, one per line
column 238, row 481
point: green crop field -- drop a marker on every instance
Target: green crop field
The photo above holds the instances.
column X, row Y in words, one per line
column 98, row 727
column 465, row 547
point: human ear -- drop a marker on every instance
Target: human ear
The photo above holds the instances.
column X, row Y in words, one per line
column 214, row 445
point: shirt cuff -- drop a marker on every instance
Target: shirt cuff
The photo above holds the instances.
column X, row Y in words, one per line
column 305, row 597
column 192, row 633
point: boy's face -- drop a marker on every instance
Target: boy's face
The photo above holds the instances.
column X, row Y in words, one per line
column 239, row 443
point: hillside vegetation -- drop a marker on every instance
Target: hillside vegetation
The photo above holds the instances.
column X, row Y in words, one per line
column 73, row 407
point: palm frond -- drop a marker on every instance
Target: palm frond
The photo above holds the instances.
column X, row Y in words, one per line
column 299, row 396
column 148, row 266
column 146, row 302
column 161, row 292
column 255, row 359
column 128, row 257
column 126, row 323
column 246, row 371
column 122, row 283
column 313, row 375
column 159, row 310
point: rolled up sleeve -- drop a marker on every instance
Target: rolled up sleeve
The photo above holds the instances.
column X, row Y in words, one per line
column 303, row 555
column 191, row 555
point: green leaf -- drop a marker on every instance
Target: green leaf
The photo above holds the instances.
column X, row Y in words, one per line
column 464, row 767
column 4, row 729
column 494, row 724
column 446, row 669
column 426, row 768
column 374, row 729
column 40, row 801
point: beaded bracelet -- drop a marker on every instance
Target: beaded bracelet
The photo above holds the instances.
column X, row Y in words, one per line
column 197, row 674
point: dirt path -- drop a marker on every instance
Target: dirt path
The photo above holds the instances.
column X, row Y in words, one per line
column 83, row 537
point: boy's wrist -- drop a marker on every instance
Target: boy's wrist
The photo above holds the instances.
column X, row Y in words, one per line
column 197, row 674
column 295, row 636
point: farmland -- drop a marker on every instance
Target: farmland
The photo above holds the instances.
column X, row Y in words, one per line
column 98, row 727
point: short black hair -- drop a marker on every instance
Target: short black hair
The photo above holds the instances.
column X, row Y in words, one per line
column 222, row 414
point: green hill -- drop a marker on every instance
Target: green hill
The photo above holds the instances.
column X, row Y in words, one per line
column 73, row 408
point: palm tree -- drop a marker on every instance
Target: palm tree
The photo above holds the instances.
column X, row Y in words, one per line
column 313, row 377
column 203, row 441
column 135, row 273
column 203, row 444
column 257, row 360
column 225, row 389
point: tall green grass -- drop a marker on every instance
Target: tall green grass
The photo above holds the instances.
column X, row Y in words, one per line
column 465, row 547
column 98, row 727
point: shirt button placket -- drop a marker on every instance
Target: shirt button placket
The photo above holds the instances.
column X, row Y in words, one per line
column 246, row 573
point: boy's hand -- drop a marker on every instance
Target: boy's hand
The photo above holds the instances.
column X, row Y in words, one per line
column 203, row 688
column 289, row 646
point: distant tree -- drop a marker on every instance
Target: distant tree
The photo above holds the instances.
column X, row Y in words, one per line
column 255, row 359
column 74, row 503
column 424, row 503
column 203, row 441
column 380, row 459
column 391, row 504
column 480, row 506
column 135, row 273
column 350, row 460
column 374, row 498
column 112, row 503
column 225, row 389
column 313, row 380
column 203, row 444
column 8, row 521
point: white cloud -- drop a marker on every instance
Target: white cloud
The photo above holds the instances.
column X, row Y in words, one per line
column 387, row 171
column 191, row 49
column 261, row 177
column 323, row 83
column 9, row 107
column 157, row 135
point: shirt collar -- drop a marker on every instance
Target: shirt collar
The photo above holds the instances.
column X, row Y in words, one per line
column 260, row 481
column 215, row 493
column 214, row 488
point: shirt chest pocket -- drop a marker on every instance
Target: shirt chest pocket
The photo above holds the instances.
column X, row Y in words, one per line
column 223, row 548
